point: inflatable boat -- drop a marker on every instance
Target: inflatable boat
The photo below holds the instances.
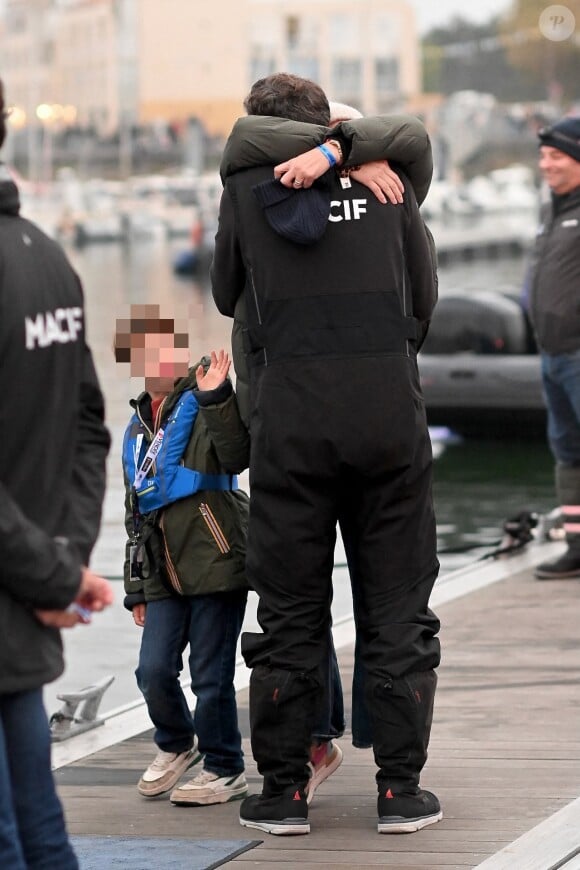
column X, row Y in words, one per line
column 480, row 368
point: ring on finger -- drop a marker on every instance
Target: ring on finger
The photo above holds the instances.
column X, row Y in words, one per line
column 297, row 183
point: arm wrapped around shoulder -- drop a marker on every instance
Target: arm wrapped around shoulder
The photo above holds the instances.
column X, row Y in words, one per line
column 401, row 139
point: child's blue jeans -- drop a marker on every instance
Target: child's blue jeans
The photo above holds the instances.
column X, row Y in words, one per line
column 211, row 624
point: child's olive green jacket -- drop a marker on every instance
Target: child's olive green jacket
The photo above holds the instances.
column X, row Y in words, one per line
column 195, row 545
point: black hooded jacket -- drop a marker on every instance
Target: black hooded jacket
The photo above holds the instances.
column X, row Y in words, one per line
column 54, row 445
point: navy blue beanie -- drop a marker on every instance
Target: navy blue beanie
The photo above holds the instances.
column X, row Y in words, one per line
column 564, row 135
column 301, row 216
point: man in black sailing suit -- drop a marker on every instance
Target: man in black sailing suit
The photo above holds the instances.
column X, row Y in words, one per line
column 338, row 431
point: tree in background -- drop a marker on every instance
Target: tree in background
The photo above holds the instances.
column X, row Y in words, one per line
column 552, row 67
column 508, row 56
column 463, row 56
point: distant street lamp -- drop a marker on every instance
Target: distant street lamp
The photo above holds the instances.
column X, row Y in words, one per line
column 17, row 117
column 69, row 115
column 48, row 112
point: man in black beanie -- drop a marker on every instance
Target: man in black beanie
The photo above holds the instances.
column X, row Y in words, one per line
column 555, row 313
column 338, row 429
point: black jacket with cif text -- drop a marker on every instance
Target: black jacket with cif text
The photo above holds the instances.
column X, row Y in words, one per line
column 365, row 288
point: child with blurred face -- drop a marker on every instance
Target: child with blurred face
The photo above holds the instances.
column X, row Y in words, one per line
column 185, row 558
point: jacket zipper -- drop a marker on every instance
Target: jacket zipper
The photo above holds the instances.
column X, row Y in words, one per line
column 147, row 429
column 255, row 296
column 136, row 458
column 404, row 294
column 171, row 572
column 257, row 304
column 143, row 423
column 214, row 528
column 547, row 227
column 156, row 428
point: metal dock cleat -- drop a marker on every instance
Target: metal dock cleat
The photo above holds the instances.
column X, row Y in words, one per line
column 79, row 711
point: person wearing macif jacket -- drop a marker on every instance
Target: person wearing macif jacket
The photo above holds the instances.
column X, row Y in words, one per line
column 335, row 307
column 554, row 288
column 291, row 147
column 52, row 483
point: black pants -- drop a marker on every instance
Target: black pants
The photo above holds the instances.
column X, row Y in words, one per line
column 328, row 447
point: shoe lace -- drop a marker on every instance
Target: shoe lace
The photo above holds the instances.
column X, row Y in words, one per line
column 205, row 777
column 162, row 760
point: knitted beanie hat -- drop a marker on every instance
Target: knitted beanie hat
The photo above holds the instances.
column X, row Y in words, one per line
column 564, row 135
column 301, row 216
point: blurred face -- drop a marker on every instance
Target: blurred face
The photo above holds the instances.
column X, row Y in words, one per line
column 155, row 357
column 156, row 346
column 561, row 172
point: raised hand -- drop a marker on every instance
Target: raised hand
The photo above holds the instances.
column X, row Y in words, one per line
column 216, row 373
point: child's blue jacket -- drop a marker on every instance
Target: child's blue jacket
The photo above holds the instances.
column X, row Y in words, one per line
column 171, row 480
column 187, row 520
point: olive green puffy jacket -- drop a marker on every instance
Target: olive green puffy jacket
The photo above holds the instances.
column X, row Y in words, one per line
column 195, row 545
column 258, row 140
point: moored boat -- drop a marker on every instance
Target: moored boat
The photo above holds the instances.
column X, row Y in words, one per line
column 480, row 368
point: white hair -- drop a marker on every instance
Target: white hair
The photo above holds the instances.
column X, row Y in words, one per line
column 342, row 112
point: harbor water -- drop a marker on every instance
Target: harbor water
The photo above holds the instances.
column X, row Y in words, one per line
column 478, row 484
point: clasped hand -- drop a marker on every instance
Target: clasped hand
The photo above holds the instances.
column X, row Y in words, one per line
column 376, row 175
column 94, row 594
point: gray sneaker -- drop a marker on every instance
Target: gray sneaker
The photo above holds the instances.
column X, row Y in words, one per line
column 210, row 788
column 166, row 769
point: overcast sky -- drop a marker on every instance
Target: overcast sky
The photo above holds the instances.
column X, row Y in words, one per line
column 432, row 13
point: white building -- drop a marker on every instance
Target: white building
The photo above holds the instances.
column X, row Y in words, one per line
column 138, row 61
column 364, row 53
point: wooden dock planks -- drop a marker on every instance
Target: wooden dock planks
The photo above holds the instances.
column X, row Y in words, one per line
column 504, row 754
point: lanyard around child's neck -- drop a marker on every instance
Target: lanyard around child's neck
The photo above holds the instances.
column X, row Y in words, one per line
column 154, row 447
column 149, row 459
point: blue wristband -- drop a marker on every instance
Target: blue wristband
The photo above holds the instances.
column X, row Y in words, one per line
column 328, row 154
